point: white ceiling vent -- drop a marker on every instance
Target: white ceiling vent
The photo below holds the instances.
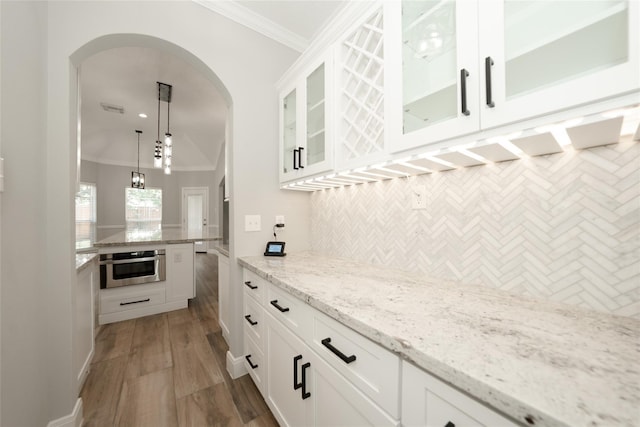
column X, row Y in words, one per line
column 110, row 108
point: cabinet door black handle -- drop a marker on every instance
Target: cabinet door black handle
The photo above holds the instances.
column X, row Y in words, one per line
column 136, row 302
column 248, row 283
column 346, row 359
column 488, row 62
column 296, row 384
column 251, row 322
column 276, row 305
column 463, row 91
column 248, row 357
column 295, row 154
column 449, row 424
column 300, row 157
column 305, row 393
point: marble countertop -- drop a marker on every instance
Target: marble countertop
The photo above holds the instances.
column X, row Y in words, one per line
column 559, row 364
column 162, row 236
column 83, row 260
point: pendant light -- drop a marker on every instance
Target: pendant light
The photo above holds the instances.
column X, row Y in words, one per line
column 157, row 156
column 164, row 94
column 137, row 178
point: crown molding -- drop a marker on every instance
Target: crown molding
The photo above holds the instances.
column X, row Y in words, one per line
column 147, row 166
column 256, row 22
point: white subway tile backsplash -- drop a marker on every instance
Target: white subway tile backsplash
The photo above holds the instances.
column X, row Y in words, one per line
column 564, row 227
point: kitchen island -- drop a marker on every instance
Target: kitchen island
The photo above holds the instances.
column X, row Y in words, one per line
column 146, row 272
column 537, row 362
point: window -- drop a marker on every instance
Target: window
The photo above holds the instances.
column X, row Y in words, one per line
column 85, row 216
column 143, row 209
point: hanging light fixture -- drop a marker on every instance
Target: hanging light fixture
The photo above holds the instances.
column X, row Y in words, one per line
column 137, row 178
column 164, row 94
column 157, row 155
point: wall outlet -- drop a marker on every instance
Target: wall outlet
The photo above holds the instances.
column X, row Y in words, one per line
column 252, row 223
column 419, row 197
column 280, row 220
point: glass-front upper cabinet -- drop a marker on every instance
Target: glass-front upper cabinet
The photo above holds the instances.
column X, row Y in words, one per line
column 543, row 56
column 305, row 137
column 435, row 58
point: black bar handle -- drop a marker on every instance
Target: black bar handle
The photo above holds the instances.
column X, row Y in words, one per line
column 305, row 393
column 463, row 91
column 295, row 154
column 296, row 384
column 449, row 424
column 251, row 322
column 488, row 62
column 248, row 283
column 248, row 357
column 279, row 307
column 300, row 157
column 136, row 302
column 346, row 359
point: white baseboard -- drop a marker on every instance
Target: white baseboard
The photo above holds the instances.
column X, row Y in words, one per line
column 82, row 376
column 72, row 420
column 235, row 366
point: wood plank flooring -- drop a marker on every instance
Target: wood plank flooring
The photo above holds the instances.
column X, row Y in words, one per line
column 169, row 369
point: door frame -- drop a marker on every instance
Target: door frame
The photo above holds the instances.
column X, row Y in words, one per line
column 204, row 191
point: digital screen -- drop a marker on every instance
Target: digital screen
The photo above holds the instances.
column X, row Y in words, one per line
column 274, row 248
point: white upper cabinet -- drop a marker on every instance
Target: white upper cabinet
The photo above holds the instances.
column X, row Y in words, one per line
column 305, row 126
column 467, row 65
column 540, row 56
column 433, row 79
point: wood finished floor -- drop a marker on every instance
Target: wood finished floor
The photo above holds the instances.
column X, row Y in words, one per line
column 169, row 369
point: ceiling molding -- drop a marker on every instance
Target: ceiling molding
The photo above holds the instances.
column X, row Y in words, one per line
column 256, row 22
column 133, row 165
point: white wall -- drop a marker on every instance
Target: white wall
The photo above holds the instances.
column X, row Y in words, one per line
column 38, row 135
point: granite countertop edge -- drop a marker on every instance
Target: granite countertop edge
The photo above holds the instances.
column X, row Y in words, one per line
column 84, row 260
column 501, row 400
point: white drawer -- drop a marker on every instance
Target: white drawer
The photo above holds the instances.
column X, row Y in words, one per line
column 295, row 314
column 255, row 363
column 428, row 401
column 254, row 286
column 254, row 321
column 371, row 368
column 130, row 298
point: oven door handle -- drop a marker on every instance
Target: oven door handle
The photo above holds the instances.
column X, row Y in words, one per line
column 131, row 260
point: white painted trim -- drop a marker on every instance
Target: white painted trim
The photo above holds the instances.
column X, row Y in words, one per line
column 256, row 22
column 110, row 226
column 200, row 168
column 74, row 419
column 139, row 312
column 235, row 366
column 86, row 367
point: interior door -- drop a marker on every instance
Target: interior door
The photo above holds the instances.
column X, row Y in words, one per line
column 195, row 213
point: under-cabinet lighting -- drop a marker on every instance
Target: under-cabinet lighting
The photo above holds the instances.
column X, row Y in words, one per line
column 416, row 167
column 561, row 135
column 573, row 122
column 508, row 145
column 437, row 160
column 472, row 155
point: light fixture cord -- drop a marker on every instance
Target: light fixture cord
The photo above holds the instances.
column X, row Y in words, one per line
column 168, row 112
column 139, row 153
column 158, row 112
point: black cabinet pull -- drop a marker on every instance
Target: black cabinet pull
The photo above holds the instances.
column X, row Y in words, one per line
column 305, row 393
column 251, row 322
column 449, row 424
column 463, row 91
column 276, row 305
column 488, row 62
column 136, row 302
column 300, row 157
column 248, row 283
column 295, row 154
column 248, row 357
column 346, row 359
column 296, row 384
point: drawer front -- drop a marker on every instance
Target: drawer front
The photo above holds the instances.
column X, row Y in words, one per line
column 295, row 314
column 113, row 302
column 368, row 366
column 254, row 321
column 254, row 286
column 428, row 401
column 254, row 361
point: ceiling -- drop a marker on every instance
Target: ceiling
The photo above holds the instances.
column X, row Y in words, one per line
column 126, row 77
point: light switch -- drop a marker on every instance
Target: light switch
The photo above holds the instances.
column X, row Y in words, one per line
column 419, row 197
column 252, row 223
column 280, row 219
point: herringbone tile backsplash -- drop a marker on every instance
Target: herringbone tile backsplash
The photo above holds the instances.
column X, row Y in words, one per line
column 565, row 227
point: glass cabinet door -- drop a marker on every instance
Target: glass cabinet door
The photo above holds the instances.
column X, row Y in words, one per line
column 429, row 63
column 547, row 43
column 315, row 149
column 289, row 131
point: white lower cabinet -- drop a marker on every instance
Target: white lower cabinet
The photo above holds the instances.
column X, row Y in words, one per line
column 304, row 390
column 180, row 272
column 427, row 401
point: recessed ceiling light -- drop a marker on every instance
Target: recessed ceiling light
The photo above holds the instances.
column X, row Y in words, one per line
column 142, row 115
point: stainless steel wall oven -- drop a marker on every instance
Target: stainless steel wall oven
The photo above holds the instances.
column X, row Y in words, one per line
column 132, row 268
